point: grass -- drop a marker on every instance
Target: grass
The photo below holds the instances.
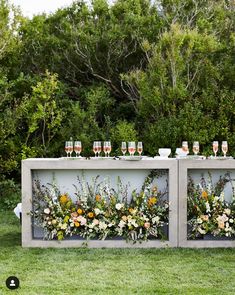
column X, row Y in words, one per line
column 112, row 271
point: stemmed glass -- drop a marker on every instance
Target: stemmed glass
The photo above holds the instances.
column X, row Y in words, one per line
column 196, row 147
column 105, row 145
column 77, row 148
column 224, row 147
column 108, row 147
column 140, row 147
column 95, row 147
column 99, row 147
column 68, row 148
column 185, row 146
column 123, row 148
column 215, row 146
column 131, row 148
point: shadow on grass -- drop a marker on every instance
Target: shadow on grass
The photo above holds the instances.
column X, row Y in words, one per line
column 10, row 240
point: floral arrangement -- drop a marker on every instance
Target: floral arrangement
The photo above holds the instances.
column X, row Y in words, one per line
column 100, row 211
column 208, row 212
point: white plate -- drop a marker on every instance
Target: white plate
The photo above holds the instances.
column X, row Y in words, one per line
column 73, row 158
column 101, row 158
column 162, row 158
column 219, row 158
column 130, row 158
column 191, row 157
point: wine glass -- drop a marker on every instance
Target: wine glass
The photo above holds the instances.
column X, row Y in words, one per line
column 69, row 148
column 224, row 147
column 196, row 147
column 123, row 148
column 77, row 148
column 105, row 148
column 66, row 147
column 215, row 146
column 108, row 147
column 140, row 148
column 185, row 146
column 131, row 148
column 95, row 147
column 99, row 147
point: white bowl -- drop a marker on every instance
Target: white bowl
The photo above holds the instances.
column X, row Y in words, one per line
column 164, row 152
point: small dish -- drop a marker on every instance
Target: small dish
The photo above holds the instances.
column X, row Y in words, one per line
column 164, row 152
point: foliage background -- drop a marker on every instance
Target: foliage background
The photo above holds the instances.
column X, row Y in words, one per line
column 157, row 71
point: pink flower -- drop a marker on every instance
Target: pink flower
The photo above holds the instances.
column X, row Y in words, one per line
column 82, row 220
column 147, row 224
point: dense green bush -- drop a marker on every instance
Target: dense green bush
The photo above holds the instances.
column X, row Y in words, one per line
column 10, row 194
column 158, row 72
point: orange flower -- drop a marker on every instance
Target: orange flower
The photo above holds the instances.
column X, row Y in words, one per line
column 79, row 211
column 152, row 201
column 64, row 199
column 90, row 214
column 98, row 198
column 77, row 224
column 205, row 195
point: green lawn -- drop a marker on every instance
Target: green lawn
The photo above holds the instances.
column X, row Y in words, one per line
column 112, row 271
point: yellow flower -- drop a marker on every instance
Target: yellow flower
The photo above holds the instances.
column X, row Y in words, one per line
column 205, row 195
column 66, row 219
column 152, row 201
column 64, row 199
column 98, row 198
column 77, row 224
column 90, row 214
column 79, row 211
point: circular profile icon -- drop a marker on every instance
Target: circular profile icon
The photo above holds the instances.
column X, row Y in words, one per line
column 12, row 283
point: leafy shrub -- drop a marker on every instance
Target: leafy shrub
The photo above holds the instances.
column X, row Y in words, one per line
column 10, row 194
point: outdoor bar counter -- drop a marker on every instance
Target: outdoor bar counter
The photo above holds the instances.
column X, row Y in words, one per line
column 65, row 173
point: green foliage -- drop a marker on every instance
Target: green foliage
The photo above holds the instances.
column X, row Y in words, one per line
column 158, row 72
column 10, row 194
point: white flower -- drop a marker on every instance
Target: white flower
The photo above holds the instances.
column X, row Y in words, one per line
column 121, row 224
column 47, row 211
column 222, row 196
column 201, row 231
column 97, row 211
column 199, row 220
column 208, row 209
column 209, row 188
column 132, row 222
column 64, row 226
column 119, row 206
column 231, row 220
column 227, row 211
column 155, row 219
column 102, row 225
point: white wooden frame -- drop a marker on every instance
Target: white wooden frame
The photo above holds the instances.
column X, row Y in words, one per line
column 184, row 166
column 29, row 165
